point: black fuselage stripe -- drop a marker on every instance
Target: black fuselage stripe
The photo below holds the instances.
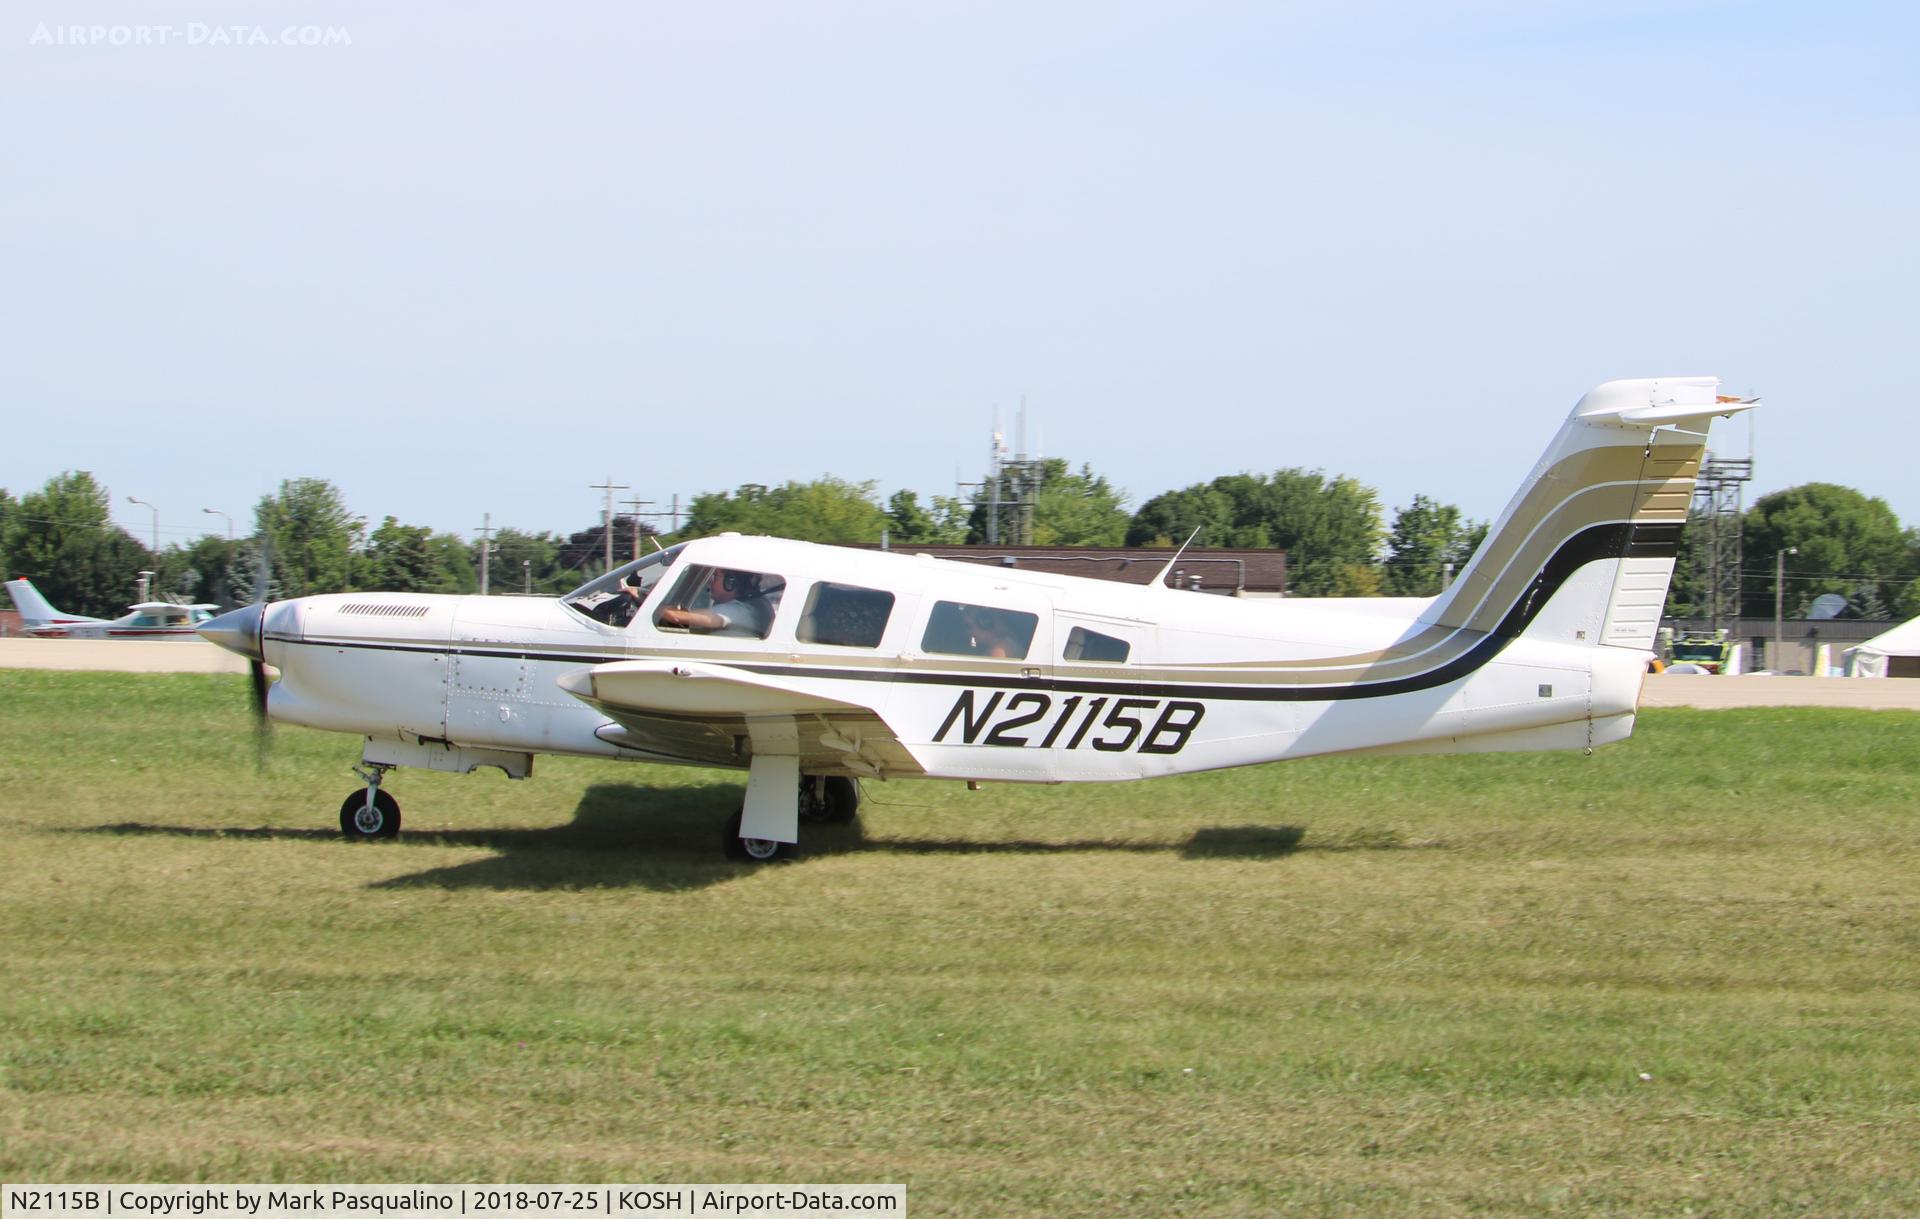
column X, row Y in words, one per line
column 1598, row 542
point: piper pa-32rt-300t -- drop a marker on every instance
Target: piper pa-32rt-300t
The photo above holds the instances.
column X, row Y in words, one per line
column 813, row 667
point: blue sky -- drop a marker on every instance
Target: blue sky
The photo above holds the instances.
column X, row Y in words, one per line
column 475, row 258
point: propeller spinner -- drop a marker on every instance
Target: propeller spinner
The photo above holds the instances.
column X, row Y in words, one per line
column 239, row 632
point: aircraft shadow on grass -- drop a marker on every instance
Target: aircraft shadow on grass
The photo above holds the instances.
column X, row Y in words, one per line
column 663, row 838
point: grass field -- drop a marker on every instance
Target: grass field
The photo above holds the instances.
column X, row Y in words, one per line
column 1681, row 976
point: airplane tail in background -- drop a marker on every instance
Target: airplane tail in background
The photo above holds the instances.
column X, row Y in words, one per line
column 35, row 610
column 1585, row 550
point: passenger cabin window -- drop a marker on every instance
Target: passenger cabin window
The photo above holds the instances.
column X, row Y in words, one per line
column 1083, row 644
column 722, row 601
column 845, row 616
column 615, row 597
column 956, row 629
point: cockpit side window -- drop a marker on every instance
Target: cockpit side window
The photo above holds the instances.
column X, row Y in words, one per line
column 615, row 597
column 722, row 601
column 845, row 616
column 957, row 629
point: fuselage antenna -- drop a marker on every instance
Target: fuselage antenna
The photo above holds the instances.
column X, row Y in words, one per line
column 1161, row 579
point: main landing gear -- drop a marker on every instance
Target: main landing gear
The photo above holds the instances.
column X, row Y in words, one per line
column 368, row 812
column 820, row 799
column 829, row 799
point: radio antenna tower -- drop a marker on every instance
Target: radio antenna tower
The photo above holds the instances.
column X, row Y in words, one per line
column 1714, row 524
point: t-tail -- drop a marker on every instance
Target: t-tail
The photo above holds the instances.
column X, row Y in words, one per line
column 1549, row 629
column 1585, row 550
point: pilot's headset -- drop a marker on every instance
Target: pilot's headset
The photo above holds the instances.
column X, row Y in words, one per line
column 740, row 583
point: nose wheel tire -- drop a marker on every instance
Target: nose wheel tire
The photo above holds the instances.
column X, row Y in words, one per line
column 754, row 850
column 362, row 820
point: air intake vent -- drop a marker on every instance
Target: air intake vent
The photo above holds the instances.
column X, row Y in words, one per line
column 373, row 610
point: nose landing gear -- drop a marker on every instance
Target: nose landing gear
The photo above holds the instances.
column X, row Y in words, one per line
column 368, row 812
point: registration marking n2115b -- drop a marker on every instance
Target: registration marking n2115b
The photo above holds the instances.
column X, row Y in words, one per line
column 1032, row 719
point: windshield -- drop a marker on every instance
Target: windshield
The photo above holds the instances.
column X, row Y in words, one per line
column 614, row 597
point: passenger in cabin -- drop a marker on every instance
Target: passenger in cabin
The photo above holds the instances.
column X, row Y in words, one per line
column 984, row 635
column 736, row 606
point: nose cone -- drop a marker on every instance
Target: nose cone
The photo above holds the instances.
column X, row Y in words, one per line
column 237, row 632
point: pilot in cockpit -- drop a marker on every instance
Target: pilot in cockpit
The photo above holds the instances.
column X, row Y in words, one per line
column 736, row 606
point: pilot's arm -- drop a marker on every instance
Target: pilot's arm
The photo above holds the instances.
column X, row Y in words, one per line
column 725, row 618
column 692, row 619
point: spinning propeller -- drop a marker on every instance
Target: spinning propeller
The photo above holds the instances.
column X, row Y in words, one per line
column 242, row 632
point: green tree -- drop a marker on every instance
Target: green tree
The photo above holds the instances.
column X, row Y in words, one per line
column 529, row 562
column 455, row 562
column 1425, row 537
column 1329, row 527
column 908, row 524
column 827, row 509
column 1847, row 542
column 1079, row 508
column 1906, row 604
column 1209, row 511
column 1070, row 508
column 206, row 571
column 310, row 537
column 9, row 508
column 399, row 559
column 62, row 538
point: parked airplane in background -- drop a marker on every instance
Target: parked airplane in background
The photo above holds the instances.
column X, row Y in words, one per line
column 149, row 619
column 812, row 667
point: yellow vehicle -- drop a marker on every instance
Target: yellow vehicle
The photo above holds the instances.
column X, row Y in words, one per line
column 1709, row 650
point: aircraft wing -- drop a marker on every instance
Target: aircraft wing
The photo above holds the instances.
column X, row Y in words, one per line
column 717, row 715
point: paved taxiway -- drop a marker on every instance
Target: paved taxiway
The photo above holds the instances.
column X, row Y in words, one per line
column 119, row 655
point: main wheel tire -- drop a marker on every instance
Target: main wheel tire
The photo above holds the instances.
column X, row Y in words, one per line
column 363, row 823
column 834, row 802
column 754, row 850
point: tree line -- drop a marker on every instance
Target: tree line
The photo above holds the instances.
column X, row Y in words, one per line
column 1338, row 539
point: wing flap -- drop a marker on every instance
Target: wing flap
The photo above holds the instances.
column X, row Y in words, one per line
column 702, row 713
column 681, row 688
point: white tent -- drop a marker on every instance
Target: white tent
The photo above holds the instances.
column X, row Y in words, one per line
column 1895, row 653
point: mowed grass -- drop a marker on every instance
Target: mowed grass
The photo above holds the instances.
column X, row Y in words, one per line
column 1680, row 976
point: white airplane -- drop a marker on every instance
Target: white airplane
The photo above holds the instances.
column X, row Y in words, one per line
column 812, row 667
column 148, row 619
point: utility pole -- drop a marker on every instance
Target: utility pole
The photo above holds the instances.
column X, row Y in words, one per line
column 1779, row 601
column 486, row 548
column 606, row 517
column 636, row 504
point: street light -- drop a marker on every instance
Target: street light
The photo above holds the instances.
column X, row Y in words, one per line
column 1779, row 590
column 156, row 520
column 228, row 515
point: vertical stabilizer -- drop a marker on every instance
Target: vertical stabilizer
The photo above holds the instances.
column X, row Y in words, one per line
column 1596, row 526
column 35, row 610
